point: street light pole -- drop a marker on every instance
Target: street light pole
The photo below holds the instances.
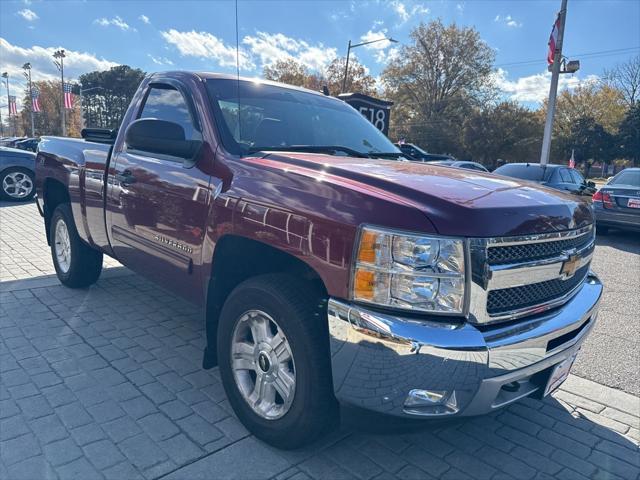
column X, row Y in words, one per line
column 27, row 73
column 59, row 55
column 349, row 47
column 553, row 89
column 5, row 75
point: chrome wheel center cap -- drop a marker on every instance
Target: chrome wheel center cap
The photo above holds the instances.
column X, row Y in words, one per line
column 264, row 362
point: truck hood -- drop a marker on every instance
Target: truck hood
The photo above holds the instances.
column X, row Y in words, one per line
column 457, row 201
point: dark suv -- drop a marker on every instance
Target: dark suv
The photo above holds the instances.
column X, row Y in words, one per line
column 559, row 177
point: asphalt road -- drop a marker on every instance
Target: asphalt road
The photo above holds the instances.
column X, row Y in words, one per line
column 611, row 354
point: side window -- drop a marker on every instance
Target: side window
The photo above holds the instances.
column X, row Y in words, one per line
column 577, row 178
column 168, row 104
column 565, row 177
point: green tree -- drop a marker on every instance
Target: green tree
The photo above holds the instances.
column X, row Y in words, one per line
column 505, row 131
column 435, row 81
column 628, row 137
column 592, row 142
column 107, row 94
column 47, row 121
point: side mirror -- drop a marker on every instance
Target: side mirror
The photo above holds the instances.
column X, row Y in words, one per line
column 159, row 136
column 591, row 184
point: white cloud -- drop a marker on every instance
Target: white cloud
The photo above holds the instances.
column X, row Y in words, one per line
column 115, row 21
column 160, row 60
column 28, row 15
column 508, row 20
column 144, row 19
column 271, row 47
column 42, row 68
column 205, row 45
column 535, row 88
column 404, row 13
column 460, row 7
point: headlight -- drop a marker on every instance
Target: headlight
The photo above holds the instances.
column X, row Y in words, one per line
column 415, row 272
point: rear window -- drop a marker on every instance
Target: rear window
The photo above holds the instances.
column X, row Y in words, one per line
column 525, row 172
column 627, row 178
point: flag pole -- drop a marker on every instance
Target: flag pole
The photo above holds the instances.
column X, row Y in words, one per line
column 553, row 89
column 27, row 68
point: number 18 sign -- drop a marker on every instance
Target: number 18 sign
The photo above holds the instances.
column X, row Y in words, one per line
column 373, row 109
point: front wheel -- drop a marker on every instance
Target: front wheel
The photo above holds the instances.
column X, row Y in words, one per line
column 77, row 265
column 273, row 353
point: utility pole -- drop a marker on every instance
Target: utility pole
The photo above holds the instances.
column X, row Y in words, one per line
column 5, row 75
column 553, row 89
column 59, row 62
column 27, row 73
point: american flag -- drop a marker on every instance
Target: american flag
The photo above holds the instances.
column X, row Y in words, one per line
column 13, row 108
column 35, row 99
column 68, row 95
column 572, row 161
column 553, row 39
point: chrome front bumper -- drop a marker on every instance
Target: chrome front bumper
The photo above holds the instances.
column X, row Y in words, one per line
column 378, row 358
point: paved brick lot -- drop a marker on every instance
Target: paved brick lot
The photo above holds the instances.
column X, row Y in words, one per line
column 106, row 383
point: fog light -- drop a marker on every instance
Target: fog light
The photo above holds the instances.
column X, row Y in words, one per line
column 431, row 402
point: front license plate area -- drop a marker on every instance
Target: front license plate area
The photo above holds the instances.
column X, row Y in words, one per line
column 559, row 374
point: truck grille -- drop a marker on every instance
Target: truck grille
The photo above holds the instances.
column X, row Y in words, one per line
column 508, row 299
column 534, row 251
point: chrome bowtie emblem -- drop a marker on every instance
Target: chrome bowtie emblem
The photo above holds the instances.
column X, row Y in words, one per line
column 570, row 266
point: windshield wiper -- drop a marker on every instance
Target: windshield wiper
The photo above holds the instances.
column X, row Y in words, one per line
column 391, row 155
column 331, row 149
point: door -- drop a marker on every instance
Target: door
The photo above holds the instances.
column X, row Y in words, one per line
column 158, row 204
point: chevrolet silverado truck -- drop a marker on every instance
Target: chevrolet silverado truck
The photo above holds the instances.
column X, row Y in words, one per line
column 329, row 271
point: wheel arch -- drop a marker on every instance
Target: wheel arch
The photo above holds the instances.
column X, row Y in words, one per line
column 54, row 194
column 236, row 259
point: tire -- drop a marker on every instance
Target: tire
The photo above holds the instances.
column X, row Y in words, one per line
column 298, row 315
column 17, row 184
column 602, row 230
column 77, row 265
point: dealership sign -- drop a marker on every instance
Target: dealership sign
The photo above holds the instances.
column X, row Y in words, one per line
column 373, row 109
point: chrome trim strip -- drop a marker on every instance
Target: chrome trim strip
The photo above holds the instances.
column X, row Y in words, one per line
column 516, row 275
column 537, row 238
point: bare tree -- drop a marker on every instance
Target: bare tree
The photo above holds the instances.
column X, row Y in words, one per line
column 626, row 78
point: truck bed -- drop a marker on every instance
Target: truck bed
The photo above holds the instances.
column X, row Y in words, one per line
column 81, row 165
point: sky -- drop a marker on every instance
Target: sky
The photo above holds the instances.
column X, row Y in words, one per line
column 201, row 35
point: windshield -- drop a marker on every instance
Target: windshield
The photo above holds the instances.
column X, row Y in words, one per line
column 270, row 117
column 627, row 178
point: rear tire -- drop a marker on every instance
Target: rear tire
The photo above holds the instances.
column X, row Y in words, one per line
column 77, row 265
column 602, row 230
column 17, row 184
column 290, row 317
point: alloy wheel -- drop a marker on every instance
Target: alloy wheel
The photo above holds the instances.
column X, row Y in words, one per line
column 17, row 185
column 263, row 364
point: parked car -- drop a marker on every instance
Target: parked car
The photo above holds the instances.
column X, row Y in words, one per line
column 30, row 144
column 415, row 153
column 617, row 204
column 17, row 173
column 559, row 177
column 11, row 141
column 462, row 164
column 328, row 273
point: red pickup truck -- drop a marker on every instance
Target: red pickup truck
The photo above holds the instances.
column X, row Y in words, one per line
column 329, row 270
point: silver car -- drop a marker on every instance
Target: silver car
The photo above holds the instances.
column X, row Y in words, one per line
column 17, row 174
column 617, row 204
